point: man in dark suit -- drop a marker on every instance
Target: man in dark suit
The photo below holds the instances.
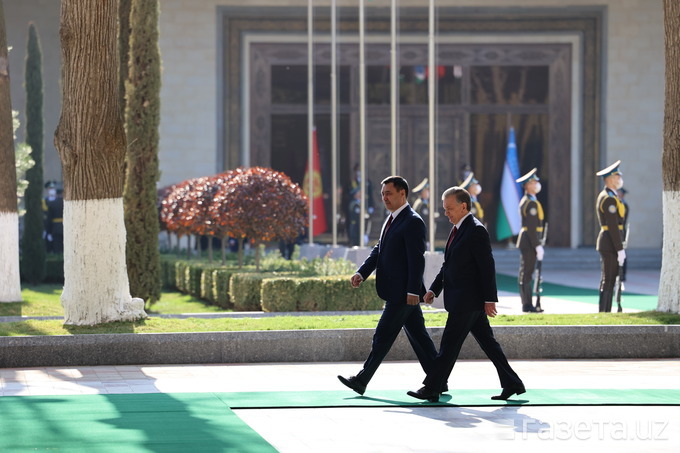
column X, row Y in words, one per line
column 398, row 261
column 468, row 277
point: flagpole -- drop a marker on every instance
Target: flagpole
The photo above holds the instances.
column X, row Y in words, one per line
column 334, row 122
column 362, row 123
column 310, row 117
column 393, row 86
column 431, row 117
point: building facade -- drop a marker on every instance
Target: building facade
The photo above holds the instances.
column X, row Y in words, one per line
column 581, row 82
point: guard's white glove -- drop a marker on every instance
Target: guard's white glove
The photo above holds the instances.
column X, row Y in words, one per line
column 49, row 237
column 621, row 257
column 539, row 252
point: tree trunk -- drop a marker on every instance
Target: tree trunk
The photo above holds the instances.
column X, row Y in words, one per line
column 142, row 117
column 669, row 292
column 91, row 144
column 10, row 284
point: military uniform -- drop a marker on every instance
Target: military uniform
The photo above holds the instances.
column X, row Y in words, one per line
column 475, row 206
column 611, row 213
column 529, row 239
column 53, row 207
column 422, row 204
column 353, row 228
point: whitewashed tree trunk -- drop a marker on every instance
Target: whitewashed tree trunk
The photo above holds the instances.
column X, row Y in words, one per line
column 91, row 143
column 10, row 284
column 669, row 290
column 669, row 293
column 94, row 251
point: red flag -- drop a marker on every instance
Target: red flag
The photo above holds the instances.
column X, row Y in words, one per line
column 318, row 211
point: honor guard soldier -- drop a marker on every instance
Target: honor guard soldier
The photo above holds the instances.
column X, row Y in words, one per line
column 474, row 188
column 53, row 207
column 610, row 213
column 529, row 239
column 422, row 203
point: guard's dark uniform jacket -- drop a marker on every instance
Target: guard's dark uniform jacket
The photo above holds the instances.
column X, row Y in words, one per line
column 611, row 213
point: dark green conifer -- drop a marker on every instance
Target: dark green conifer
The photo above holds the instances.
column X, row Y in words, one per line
column 32, row 244
column 142, row 117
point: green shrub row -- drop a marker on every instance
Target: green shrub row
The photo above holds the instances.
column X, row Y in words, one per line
column 326, row 293
column 244, row 289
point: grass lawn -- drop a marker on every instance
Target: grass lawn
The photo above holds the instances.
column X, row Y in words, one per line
column 43, row 300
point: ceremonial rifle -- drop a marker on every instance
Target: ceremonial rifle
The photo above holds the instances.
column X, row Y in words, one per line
column 538, row 274
column 618, row 286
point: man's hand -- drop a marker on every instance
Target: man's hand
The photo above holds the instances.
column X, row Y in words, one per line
column 356, row 280
column 412, row 299
column 490, row 309
column 429, row 297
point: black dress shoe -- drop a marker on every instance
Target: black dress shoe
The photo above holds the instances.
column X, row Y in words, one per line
column 425, row 393
column 531, row 309
column 354, row 384
column 508, row 392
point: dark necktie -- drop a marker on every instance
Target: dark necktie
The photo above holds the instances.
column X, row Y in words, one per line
column 451, row 236
column 387, row 227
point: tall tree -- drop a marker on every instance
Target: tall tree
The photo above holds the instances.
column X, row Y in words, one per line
column 142, row 117
column 669, row 294
column 91, row 144
column 10, row 283
column 123, row 47
column 32, row 245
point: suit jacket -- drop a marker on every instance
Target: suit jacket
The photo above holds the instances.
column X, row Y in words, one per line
column 398, row 258
column 468, row 275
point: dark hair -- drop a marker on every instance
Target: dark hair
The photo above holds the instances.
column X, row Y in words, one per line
column 462, row 195
column 398, row 182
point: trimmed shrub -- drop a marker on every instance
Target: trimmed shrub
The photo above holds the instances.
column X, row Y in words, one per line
column 193, row 276
column 279, row 294
column 206, row 292
column 245, row 290
column 220, row 284
column 168, row 274
column 180, row 276
column 326, row 293
column 312, row 294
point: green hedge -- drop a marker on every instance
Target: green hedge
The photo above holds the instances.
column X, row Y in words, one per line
column 168, row 274
column 327, row 293
column 245, row 289
column 220, row 285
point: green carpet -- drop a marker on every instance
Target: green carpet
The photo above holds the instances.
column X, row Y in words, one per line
column 467, row 397
column 152, row 422
column 629, row 300
column 198, row 422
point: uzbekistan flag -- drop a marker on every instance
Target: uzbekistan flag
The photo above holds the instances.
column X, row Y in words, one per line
column 509, row 223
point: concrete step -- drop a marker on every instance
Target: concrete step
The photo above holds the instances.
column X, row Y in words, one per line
column 582, row 258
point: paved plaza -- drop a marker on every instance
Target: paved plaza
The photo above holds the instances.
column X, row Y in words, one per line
column 526, row 428
column 405, row 429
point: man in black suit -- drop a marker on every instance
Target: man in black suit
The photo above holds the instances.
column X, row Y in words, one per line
column 398, row 261
column 468, row 277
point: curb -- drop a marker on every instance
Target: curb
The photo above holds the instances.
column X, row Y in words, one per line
column 347, row 345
